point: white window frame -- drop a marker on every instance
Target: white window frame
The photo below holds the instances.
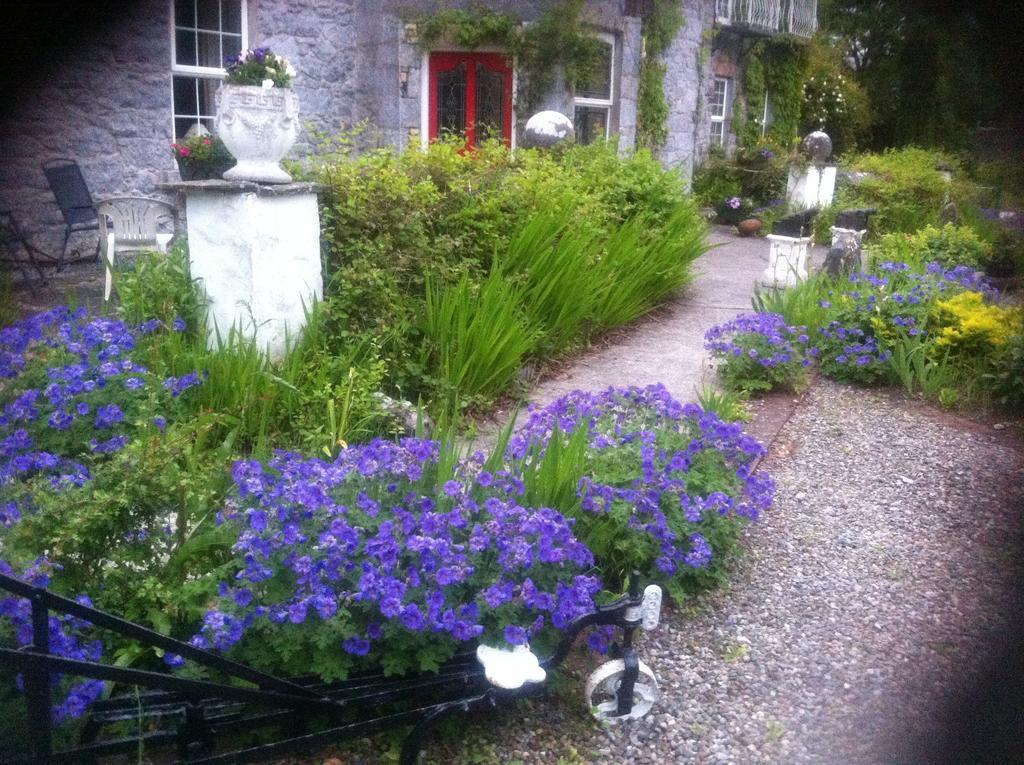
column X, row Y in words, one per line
column 605, row 103
column 199, row 72
column 719, row 119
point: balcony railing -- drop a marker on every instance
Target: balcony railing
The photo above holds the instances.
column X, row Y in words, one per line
column 769, row 17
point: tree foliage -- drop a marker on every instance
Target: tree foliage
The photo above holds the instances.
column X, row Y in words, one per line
column 933, row 71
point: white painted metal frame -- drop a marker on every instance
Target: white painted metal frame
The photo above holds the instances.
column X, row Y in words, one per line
column 605, row 103
column 204, row 72
column 718, row 119
column 796, row 16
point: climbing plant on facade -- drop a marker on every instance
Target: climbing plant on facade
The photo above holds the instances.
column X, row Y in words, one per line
column 661, row 24
column 776, row 69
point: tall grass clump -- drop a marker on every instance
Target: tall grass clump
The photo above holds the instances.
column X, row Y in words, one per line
column 640, row 267
column 555, row 263
column 476, row 338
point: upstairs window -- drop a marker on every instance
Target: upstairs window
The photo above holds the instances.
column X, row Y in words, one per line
column 595, row 94
column 205, row 33
column 717, row 107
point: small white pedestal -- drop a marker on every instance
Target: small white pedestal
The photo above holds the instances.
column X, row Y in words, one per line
column 787, row 261
column 812, row 186
column 255, row 250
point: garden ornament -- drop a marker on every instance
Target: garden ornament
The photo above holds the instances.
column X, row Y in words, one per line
column 547, row 128
column 510, row 669
column 845, row 255
column 818, row 146
column 626, row 688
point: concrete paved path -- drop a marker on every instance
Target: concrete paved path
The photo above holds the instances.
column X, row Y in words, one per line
column 668, row 346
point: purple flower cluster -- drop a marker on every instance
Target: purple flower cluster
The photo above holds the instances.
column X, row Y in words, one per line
column 93, row 389
column 882, row 306
column 65, row 637
column 373, row 537
column 662, row 440
column 854, row 346
column 764, row 337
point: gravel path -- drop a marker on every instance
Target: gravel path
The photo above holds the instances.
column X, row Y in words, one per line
column 872, row 601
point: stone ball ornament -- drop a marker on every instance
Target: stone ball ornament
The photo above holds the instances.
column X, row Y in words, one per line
column 818, row 146
column 548, row 128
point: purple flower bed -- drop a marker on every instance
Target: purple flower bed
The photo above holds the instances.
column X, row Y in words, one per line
column 760, row 351
column 664, row 487
column 395, row 555
column 71, row 395
column 369, row 549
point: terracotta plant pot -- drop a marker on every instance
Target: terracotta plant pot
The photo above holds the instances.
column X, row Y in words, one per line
column 749, row 227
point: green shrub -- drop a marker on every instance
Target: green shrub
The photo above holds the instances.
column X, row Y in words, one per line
column 159, row 286
column 904, row 185
column 950, row 246
column 760, row 351
column 394, row 222
column 653, row 486
column 715, row 181
column 799, row 305
column 555, row 262
column 1006, row 380
column 8, row 309
column 642, row 265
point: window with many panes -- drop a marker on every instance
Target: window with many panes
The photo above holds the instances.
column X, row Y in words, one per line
column 717, row 107
column 205, row 33
column 594, row 94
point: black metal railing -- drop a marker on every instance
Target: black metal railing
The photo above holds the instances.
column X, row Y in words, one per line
column 204, row 720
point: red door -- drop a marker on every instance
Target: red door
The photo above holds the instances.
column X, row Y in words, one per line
column 471, row 96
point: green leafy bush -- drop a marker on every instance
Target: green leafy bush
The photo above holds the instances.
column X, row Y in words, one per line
column 905, row 186
column 760, row 351
column 619, row 238
column 950, row 246
column 476, row 338
column 1007, row 378
column 653, row 485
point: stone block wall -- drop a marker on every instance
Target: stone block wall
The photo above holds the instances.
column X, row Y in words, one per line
column 686, row 85
column 104, row 101
column 321, row 39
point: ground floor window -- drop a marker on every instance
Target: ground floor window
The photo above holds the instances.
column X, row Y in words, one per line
column 206, row 32
column 718, row 108
column 594, row 94
column 470, row 96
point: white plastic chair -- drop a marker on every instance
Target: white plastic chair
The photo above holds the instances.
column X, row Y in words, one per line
column 133, row 224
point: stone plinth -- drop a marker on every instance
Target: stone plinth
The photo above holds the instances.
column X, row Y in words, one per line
column 255, row 250
column 787, row 261
column 845, row 255
column 811, row 187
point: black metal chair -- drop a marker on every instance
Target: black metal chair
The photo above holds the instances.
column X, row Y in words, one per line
column 13, row 238
column 74, row 200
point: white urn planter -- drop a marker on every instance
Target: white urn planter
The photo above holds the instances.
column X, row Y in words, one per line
column 259, row 126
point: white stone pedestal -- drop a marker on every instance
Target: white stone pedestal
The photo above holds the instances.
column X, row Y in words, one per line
column 255, row 250
column 812, row 186
column 787, row 261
